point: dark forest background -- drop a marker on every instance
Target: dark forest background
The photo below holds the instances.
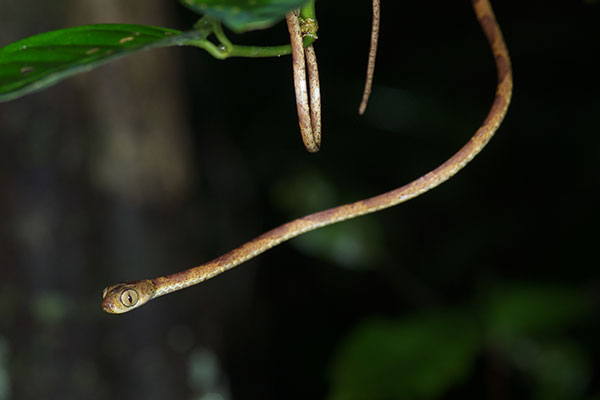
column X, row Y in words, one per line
column 486, row 287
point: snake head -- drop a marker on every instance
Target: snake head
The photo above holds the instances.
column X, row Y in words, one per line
column 126, row 296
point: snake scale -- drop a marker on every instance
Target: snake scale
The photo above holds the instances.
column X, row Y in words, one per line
column 130, row 295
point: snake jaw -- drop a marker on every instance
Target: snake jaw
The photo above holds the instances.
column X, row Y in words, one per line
column 124, row 297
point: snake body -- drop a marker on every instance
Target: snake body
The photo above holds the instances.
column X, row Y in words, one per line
column 127, row 296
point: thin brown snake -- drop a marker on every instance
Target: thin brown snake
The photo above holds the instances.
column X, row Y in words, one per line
column 309, row 115
column 127, row 296
column 372, row 56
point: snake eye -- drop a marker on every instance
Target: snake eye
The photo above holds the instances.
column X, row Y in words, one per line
column 129, row 297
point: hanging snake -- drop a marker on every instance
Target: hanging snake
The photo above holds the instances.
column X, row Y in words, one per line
column 127, row 296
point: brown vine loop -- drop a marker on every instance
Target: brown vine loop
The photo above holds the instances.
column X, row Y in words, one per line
column 372, row 56
column 311, row 139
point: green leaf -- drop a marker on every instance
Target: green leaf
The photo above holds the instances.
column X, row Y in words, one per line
column 42, row 60
column 245, row 15
column 414, row 358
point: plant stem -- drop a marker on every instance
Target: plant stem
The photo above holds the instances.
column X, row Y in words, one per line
column 308, row 10
column 271, row 51
column 226, row 49
column 210, row 47
column 308, row 20
column 218, row 31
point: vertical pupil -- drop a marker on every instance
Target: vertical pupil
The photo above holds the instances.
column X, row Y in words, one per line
column 129, row 297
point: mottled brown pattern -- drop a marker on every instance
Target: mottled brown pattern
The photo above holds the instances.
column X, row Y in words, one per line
column 267, row 240
column 372, row 56
column 503, row 65
column 488, row 24
column 315, row 93
column 299, row 68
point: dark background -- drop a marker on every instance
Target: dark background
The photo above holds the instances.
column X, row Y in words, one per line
column 486, row 287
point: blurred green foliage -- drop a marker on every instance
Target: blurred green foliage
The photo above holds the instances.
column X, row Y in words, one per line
column 412, row 358
column 354, row 244
column 512, row 313
column 424, row 356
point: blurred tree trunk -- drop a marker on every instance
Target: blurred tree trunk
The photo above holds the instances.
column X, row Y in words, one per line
column 142, row 152
column 97, row 170
column 142, row 161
